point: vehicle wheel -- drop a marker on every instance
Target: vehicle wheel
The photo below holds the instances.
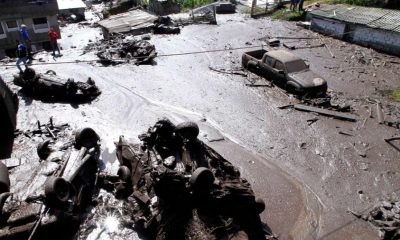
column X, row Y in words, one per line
column 188, row 130
column 124, row 173
column 29, row 74
column 87, row 138
column 202, row 179
column 43, row 150
column 290, row 88
column 51, row 72
column 260, row 205
column 4, row 178
column 57, row 191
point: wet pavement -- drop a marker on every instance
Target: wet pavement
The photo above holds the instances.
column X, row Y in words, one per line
column 309, row 175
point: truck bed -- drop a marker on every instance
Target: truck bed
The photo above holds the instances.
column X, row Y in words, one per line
column 256, row 55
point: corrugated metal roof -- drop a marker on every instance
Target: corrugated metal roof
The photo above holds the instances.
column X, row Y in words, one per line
column 70, row 4
column 125, row 22
column 372, row 17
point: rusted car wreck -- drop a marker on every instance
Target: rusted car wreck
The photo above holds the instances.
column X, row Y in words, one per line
column 43, row 197
column 177, row 187
column 49, row 86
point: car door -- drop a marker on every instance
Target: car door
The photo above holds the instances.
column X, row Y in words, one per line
column 279, row 72
column 267, row 64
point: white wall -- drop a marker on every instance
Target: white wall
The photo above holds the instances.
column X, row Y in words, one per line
column 329, row 27
column 379, row 39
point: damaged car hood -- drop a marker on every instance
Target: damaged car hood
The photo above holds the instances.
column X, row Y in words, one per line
column 307, row 79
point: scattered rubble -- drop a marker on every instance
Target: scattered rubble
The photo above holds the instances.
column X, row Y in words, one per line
column 385, row 217
column 49, row 86
column 123, row 49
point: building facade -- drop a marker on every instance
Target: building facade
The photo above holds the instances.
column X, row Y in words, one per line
column 38, row 15
column 370, row 27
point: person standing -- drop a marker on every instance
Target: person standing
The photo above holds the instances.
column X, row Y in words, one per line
column 22, row 54
column 26, row 40
column 53, row 36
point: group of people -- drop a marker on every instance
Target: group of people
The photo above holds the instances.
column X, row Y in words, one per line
column 296, row 3
column 24, row 49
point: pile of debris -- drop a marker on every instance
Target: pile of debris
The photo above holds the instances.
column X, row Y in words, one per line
column 49, row 86
column 165, row 25
column 174, row 186
column 123, row 49
column 385, row 217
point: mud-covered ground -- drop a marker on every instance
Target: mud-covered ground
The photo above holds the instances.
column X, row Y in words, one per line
column 309, row 175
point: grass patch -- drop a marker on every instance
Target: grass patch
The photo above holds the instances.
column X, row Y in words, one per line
column 284, row 14
column 189, row 4
column 395, row 96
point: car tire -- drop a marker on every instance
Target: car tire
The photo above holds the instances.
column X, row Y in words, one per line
column 124, row 173
column 43, row 150
column 87, row 138
column 260, row 205
column 202, row 179
column 51, row 72
column 188, row 130
column 4, row 178
column 292, row 88
column 57, row 191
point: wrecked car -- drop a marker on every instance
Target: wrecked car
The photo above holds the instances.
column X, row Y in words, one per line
column 8, row 110
column 285, row 70
column 43, row 197
column 123, row 49
column 49, row 86
column 177, row 187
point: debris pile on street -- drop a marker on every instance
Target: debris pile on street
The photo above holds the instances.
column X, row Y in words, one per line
column 49, row 86
column 165, row 25
column 123, row 49
column 45, row 196
column 385, row 217
column 176, row 187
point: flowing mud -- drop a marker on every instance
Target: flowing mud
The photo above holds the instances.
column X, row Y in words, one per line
column 308, row 174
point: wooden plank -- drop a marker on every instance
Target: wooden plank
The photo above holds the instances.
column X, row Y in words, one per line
column 325, row 112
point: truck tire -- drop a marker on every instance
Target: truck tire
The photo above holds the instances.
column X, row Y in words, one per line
column 292, row 87
column 4, row 178
column 260, row 205
column 202, row 179
column 57, row 191
column 87, row 138
column 43, row 150
column 188, row 130
column 124, row 173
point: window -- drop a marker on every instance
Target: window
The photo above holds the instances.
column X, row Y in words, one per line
column 279, row 65
column 269, row 60
column 12, row 25
column 40, row 25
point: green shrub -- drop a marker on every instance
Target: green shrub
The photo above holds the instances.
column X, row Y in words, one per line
column 395, row 96
column 284, row 14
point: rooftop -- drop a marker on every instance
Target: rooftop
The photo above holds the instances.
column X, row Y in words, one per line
column 372, row 17
column 70, row 4
column 283, row 56
column 125, row 22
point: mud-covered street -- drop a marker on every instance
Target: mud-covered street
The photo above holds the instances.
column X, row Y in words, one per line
column 309, row 173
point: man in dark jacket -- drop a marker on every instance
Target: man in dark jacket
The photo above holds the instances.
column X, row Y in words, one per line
column 22, row 54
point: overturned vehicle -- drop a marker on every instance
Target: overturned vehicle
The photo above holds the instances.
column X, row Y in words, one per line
column 177, row 187
column 124, row 49
column 49, row 86
column 44, row 197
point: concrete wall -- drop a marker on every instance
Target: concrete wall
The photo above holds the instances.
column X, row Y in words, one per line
column 382, row 40
column 23, row 12
column 329, row 27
